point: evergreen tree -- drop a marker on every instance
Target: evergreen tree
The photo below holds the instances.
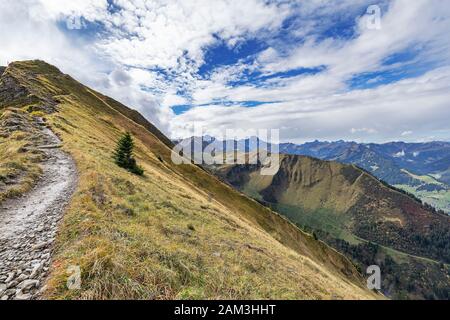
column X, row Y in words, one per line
column 123, row 155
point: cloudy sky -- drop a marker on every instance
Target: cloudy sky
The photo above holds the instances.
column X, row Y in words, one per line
column 315, row 69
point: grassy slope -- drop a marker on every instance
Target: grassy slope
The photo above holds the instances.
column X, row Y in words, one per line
column 333, row 199
column 355, row 198
column 175, row 233
column 19, row 168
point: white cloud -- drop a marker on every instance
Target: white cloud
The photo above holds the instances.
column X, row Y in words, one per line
column 375, row 114
column 174, row 34
column 363, row 130
column 135, row 37
column 319, row 106
column 404, row 25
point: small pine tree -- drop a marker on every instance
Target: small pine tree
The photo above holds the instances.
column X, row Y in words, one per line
column 123, row 155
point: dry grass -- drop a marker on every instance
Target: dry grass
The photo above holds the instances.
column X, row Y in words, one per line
column 19, row 167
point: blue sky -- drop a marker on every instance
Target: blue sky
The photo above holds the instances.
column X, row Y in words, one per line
column 324, row 70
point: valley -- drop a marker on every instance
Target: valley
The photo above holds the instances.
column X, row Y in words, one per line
column 421, row 169
column 359, row 215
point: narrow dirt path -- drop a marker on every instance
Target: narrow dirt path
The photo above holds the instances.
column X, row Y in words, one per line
column 28, row 224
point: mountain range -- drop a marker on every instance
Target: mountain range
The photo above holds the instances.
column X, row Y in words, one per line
column 422, row 169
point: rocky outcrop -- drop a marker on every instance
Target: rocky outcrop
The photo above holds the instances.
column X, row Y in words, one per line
column 11, row 92
column 15, row 93
column 13, row 120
